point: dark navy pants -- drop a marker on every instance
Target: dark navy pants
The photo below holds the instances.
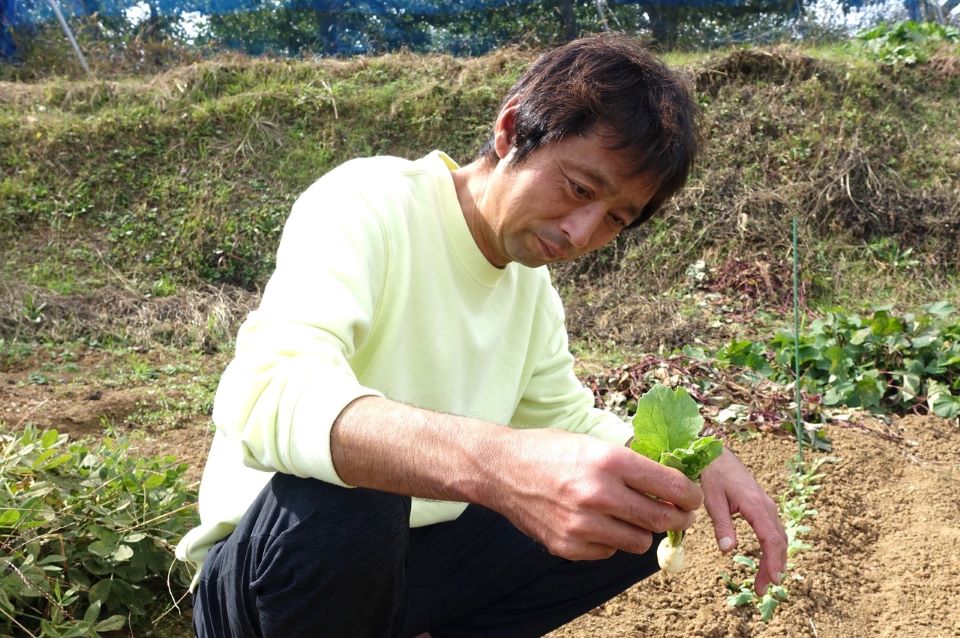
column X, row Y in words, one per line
column 314, row 559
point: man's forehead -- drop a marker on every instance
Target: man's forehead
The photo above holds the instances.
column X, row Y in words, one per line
column 599, row 158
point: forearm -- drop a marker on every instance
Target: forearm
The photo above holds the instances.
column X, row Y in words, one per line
column 578, row 496
column 382, row 444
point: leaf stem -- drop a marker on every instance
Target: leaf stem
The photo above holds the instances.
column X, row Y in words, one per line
column 676, row 537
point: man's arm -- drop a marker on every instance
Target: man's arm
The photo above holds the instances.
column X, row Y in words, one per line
column 580, row 497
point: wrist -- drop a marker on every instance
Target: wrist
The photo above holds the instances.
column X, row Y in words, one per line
column 494, row 466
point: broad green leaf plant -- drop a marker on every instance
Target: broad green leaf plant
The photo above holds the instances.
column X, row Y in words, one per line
column 86, row 534
column 666, row 428
column 882, row 361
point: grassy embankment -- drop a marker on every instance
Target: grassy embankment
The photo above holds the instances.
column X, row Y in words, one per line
column 145, row 189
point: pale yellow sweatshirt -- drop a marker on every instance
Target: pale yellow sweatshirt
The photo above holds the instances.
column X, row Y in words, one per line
column 380, row 289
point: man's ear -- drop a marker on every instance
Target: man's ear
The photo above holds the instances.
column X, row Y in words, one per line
column 504, row 129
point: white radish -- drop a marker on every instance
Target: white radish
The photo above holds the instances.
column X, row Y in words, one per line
column 670, row 556
column 666, row 429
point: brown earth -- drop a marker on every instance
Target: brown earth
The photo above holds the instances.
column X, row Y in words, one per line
column 888, row 508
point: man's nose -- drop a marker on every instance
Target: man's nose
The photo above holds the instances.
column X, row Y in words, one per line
column 580, row 224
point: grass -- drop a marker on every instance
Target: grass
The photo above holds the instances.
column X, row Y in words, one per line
column 160, row 187
column 164, row 185
column 191, row 172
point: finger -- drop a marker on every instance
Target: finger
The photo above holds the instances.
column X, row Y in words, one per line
column 588, row 551
column 718, row 508
column 647, row 513
column 767, row 575
column 632, row 540
column 773, row 561
column 766, row 523
column 665, row 483
column 628, row 538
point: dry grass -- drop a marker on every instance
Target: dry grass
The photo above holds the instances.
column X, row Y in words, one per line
column 203, row 319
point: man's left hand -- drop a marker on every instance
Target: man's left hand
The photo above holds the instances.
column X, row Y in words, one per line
column 728, row 489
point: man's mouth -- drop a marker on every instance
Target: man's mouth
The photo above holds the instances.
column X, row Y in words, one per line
column 551, row 252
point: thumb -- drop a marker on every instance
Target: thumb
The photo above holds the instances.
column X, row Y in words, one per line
column 719, row 511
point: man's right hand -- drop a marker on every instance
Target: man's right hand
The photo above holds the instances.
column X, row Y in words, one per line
column 580, row 497
column 584, row 499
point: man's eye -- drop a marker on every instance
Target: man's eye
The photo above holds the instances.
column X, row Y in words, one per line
column 578, row 189
column 617, row 221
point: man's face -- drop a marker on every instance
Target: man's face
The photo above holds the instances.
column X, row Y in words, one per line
column 563, row 201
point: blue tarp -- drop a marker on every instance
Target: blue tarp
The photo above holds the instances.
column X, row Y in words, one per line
column 23, row 14
column 8, row 9
column 32, row 11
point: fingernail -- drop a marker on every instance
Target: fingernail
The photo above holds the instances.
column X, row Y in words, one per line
column 725, row 543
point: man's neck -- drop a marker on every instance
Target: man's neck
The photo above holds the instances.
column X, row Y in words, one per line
column 470, row 182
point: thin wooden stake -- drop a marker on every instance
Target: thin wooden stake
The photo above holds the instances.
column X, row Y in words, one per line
column 798, row 427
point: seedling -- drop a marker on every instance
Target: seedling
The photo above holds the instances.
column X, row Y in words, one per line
column 794, row 510
column 666, row 428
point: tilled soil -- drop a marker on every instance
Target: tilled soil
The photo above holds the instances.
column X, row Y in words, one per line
column 882, row 561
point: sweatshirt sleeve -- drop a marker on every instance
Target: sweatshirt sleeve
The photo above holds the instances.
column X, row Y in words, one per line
column 290, row 377
column 555, row 397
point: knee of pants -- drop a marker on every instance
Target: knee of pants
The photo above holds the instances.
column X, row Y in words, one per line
column 306, row 553
column 350, row 528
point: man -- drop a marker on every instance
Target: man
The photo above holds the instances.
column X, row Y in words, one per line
column 410, row 344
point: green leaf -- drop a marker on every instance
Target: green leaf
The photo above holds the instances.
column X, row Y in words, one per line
column 870, row 390
column 911, row 386
column 122, row 553
column 779, row 592
column 9, row 517
column 839, row 394
column 92, row 612
column 47, row 628
column 156, row 479
column 945, row 405
column 694, row 459
column 758, row 362
column 745, row 560
column 939, row 398
column 48, row 438
column 860, row 336
column 671, row 460
column 101, row 591
column 923, row 341
column 101, row 548
column 941, row 309
column 80, row 629
column 738, row 600
column 57, row 461
column 113, row 623
column 768, row 604
column 665, row 420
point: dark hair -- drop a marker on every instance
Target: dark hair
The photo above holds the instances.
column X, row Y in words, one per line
column 612, row 85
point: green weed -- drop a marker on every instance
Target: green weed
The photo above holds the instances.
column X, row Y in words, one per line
column 907, row 42
column 87, row 534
